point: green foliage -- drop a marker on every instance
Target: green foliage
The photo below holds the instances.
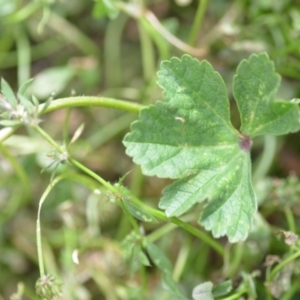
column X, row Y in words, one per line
column 103, row 8
column 103, row 237
column 189, row 137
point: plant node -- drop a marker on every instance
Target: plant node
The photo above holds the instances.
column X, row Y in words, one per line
column 245, row 143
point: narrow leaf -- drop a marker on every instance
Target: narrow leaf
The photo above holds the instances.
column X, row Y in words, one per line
column 24, row 86
column 8, row 92
column 77, row 133
column 46, row 105
column 222, row 288
column 138, row 212
column 159, row 258
column 172, row 286
column 10, row 122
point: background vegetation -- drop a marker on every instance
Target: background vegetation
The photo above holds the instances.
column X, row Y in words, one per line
column 113, row 49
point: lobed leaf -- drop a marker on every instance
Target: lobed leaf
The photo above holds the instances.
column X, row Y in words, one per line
column 189, row 137
column 254, row 88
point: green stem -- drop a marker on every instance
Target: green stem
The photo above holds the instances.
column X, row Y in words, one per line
column 73, row 35
column 197, row 21
column 101, row 135
column 200, row 234
column 282, row 264
column 24, row 13
column 191, row 229
column 83, row 101
column 49, row 139
column 236, row 262
column 160, row 232
column 112, row 51
column 148, row 58
column 182, row 258
column 23, row 55
column 44, row 49
column 159, row 41
column 235, row 296
column 72, row 176
column 38, row 224
column 266, row 159
column 95, row 176
column 290, row 219
column 18, row 169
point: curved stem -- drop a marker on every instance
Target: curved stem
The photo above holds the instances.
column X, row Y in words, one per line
column 75, row 177
column 92, row 101
column 282, row 264
column 38, row 224
column 159, row 214
column 137, row 12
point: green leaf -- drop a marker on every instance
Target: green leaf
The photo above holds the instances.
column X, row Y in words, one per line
column 10, row 122
column 24, row 86
column 203, row 291
column 138, row 212
column 172, row 286
column 103, row 8
column 222, row 288
column 159, row 258
column 254, row 88
column 52, row 80
column 189, row 137
column 8, row 92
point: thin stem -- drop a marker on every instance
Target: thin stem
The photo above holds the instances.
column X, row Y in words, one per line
column 163, row 47
column 112, row 51
column 72, row 34
column 235, row 296
column 137, row 12
column 75, row 177
column 107, row 132
column 95, row 176
column 18, row 169
column 160, row 232
column 191, row 229
column 197, row 21
column 49, row 139
column 23, row 54
column 148, row 59
column 282, row 264
column 38, row 225
column 24, row 13
column 84, row 101
column 182, row 258
column 236, row 262
column 66, row 126
column 200, row 234
column 290, row 219
column 266, row 159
